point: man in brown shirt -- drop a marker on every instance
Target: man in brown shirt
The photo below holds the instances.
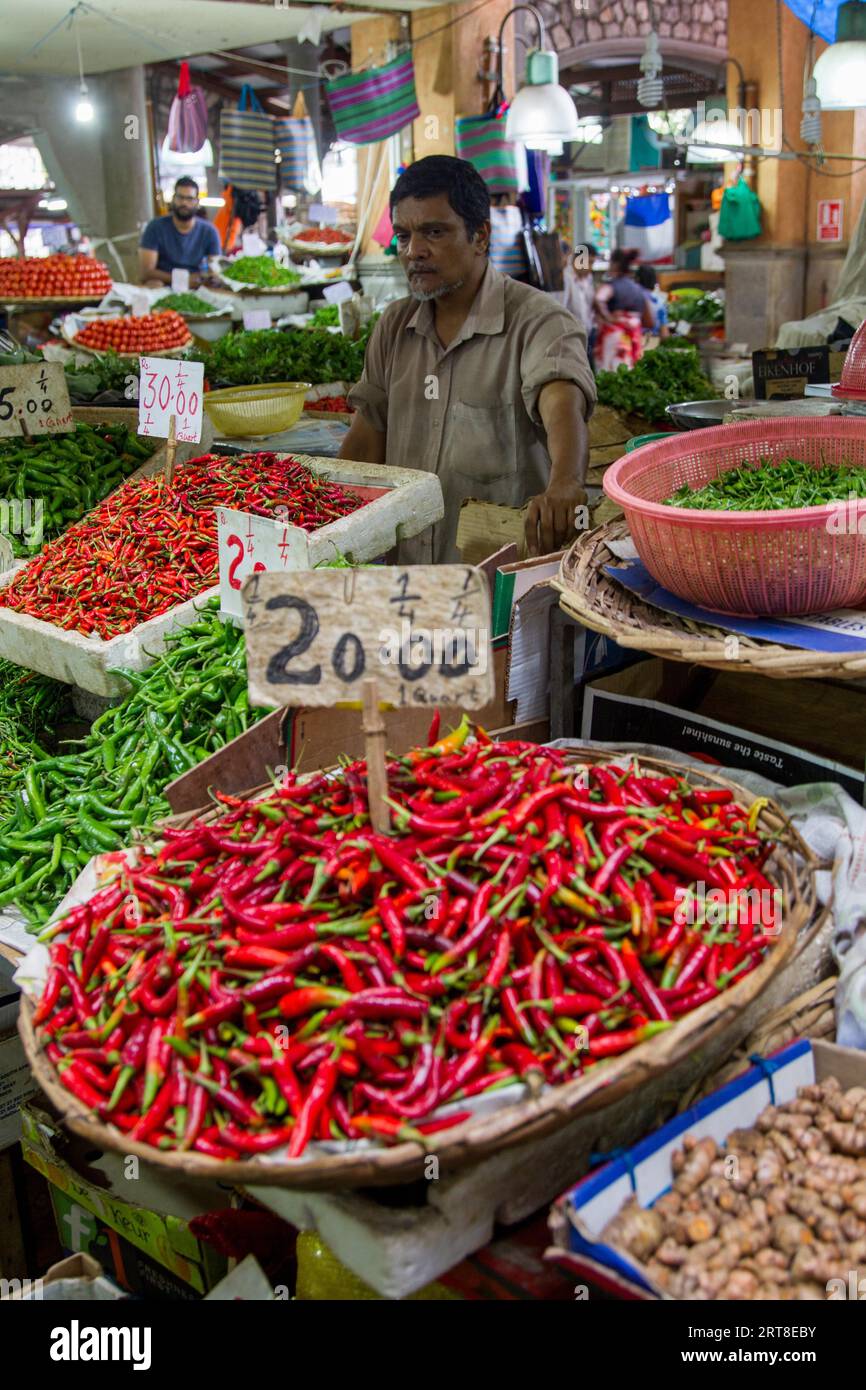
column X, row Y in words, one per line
column 474, row 377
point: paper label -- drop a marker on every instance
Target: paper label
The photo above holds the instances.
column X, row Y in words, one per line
column 249, row 544
column 323, row 214
column 179, row 281
column 336, row 294
column 252, row 244
column 139, row 306
column 169, row 387
column 256, row 318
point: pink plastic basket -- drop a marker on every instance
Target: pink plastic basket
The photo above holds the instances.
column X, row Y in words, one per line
column 853, row 383
column 801, row 561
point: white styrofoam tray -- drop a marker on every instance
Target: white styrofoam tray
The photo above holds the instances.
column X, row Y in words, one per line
column 412, row 503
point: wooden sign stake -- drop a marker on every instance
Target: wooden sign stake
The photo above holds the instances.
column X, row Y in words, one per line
column 373, row 725
column 170, row 449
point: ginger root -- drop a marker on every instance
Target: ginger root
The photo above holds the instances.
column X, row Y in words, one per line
column 636, row 1229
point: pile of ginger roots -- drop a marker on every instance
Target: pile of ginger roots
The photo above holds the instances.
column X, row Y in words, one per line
column 775, row 1214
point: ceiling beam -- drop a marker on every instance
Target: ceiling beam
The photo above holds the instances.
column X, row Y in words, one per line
column 239, row 66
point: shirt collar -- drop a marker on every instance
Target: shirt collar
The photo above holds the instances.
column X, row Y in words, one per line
column 486, row 314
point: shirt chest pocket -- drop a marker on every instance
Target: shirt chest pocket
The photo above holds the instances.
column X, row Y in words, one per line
column 483, row 441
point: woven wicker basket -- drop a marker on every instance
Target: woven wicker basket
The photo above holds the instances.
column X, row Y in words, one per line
column 589, row 594
column 790, row 869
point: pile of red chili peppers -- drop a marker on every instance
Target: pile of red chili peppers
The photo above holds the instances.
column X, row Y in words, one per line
column 284, row 974
column 151, row 545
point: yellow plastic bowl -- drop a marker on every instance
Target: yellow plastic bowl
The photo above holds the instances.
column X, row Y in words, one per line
column 256, row 411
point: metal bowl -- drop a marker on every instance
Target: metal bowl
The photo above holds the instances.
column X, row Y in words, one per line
column 697, row 415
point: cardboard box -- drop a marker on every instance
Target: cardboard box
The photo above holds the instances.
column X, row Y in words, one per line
column 92, row 1211
column 580, row 1215
column 16, row 1086
column 790, row 731
column 78, row 1279
column 786, row 372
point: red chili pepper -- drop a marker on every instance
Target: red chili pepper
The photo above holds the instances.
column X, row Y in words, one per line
column 316, row 1099
column 644, row 986
column 611, row 1044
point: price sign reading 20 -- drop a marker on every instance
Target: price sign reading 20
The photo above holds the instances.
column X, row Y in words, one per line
column 312, row 635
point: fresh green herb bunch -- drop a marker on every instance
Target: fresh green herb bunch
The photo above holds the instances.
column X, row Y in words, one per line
column 186, row 303
column 664, row 376
column 696, row 307
column 262, row 271
column 107, row 372
column 269, row 354
column 326, row 316
column 768, row 486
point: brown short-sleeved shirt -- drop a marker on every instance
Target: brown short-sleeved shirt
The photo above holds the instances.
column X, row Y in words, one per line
column 469, row 412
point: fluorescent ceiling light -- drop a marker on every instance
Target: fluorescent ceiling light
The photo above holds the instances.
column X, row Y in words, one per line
column 714, row 141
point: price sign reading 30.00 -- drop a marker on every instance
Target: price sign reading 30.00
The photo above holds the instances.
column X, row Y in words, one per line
column 170, row 387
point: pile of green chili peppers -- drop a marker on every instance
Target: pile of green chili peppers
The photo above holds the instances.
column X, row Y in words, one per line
column 185, row 707
column 31, row 706
column 49, row 481
column 769, row 486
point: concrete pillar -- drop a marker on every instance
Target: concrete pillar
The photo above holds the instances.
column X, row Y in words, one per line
column 102, row 168
column 126, row 161
column 786, row 273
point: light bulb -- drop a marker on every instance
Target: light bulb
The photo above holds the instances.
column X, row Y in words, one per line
column 810, row 125
column 84, row 106
column 650, row 88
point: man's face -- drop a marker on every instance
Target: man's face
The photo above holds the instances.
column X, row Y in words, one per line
column 433, row 247
column 184, row 203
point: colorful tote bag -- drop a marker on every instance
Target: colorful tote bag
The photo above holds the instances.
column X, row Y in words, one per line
column 297, row 146
column 507, row 251
column 370, row 106
column 481, row 140
column 247, row 144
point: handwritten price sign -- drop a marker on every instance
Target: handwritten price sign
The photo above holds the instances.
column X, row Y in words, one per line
column 250, row 544
column 423, row 633
column 34, row 400
column 169, row 387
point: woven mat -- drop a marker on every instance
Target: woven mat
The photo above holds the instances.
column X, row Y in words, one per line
column 599, row 602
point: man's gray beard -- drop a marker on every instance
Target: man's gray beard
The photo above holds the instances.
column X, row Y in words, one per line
column 437, row 294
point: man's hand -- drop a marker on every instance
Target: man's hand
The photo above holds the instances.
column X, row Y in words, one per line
column 194, row 280
column 550, row 520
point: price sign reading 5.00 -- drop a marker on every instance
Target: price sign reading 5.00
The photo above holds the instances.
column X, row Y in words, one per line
column 34, row 400
column 169, row 387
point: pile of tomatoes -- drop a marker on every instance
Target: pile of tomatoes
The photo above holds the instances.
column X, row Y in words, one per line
column 328, row 235
column 53, row 277
column 152, row 333
column 330, row 404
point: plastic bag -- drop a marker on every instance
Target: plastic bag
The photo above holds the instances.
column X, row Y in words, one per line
column 187, row 119
column 740, row 215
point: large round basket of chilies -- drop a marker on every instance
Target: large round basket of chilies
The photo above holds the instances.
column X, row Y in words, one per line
column 272, row 992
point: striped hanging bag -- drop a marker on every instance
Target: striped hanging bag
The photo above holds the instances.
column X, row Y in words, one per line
column 247, row 144
column 481, row 140
column 372, row 105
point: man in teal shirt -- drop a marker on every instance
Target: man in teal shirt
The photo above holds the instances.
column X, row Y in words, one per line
column 179, row 241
